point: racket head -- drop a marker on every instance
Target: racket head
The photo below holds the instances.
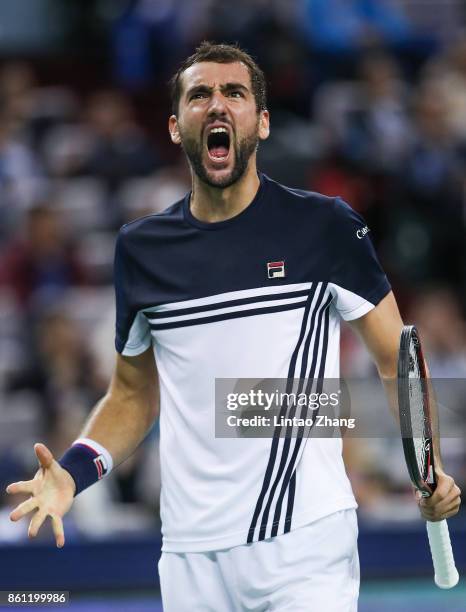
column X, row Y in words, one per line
column 415, row 419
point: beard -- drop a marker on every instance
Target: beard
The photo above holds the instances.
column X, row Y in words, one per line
column 242, row 150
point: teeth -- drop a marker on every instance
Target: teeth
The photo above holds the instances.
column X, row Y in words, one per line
column 219, row 130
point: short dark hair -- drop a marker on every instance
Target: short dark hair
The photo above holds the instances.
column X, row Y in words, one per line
column 221, row 54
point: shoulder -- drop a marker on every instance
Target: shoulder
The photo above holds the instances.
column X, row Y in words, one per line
column 299, row 197
column 324, row 209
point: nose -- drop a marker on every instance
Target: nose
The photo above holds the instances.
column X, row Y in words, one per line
column 217, row 103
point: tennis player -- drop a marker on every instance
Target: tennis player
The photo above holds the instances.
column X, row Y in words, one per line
column 243, row 278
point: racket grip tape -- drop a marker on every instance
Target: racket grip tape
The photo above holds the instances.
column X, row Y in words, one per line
column 446, row 574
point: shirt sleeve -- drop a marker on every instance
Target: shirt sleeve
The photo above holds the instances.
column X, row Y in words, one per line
column 358, row 282
column 132, row 335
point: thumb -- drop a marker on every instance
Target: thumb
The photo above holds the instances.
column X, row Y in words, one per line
column 44, row 456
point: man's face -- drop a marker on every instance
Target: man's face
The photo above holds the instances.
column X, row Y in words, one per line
column 217, row 124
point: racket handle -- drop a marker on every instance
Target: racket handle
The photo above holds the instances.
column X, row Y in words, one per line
column 446, row 574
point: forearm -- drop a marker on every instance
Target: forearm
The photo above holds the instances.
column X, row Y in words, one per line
column 380, row 330
column 389, row 377
column 121, row 420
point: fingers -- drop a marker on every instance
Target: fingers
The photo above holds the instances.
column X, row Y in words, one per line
column 445, row 501
column 23, row 486
column 441, row 502
column 442, row 499
column 38, row 520
column 44, row 456
column 36, row 523
column 445, row 509
column 24, row 508
column 57, row 526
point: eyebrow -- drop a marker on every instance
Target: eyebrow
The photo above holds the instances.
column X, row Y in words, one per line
column 207, row 89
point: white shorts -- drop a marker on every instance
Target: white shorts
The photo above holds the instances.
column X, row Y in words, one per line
column 312, row 568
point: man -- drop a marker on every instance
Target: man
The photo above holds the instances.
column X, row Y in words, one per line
column 243, row 278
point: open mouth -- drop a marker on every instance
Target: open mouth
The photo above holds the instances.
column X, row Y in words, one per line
column 218, row 144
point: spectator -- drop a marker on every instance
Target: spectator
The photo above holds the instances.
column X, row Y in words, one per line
column 17, row 89
column 437, row 313
column 108, row 143
column 432, row 168
column 378, row 132
column 449, row 71
column 119, row 146
column 20, row 176
column 41, row 261
column 61, row 369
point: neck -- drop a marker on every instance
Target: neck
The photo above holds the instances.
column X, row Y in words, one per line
column 211, row 204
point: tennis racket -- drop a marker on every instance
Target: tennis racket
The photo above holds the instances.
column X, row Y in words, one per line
column 416, row 432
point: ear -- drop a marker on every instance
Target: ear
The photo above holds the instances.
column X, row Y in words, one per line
column 264, row 124
column 173, row 129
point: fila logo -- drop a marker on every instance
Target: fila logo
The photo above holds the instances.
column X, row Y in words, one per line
column 101, row 466
column 362, row 232
column 276, row 269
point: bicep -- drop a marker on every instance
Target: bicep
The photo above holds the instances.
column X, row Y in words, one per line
column 380, row 331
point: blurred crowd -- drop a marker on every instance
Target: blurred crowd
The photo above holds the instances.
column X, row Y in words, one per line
column 368, row 101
